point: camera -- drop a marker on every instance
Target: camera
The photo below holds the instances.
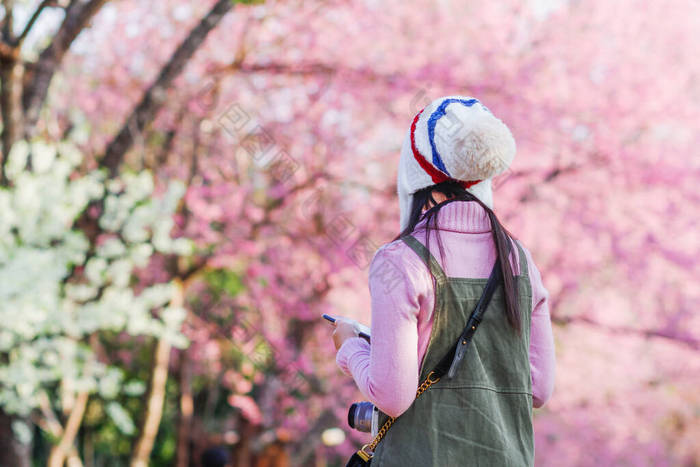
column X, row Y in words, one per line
column 364, row 416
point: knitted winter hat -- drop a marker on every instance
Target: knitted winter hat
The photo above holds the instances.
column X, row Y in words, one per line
column 454, row 137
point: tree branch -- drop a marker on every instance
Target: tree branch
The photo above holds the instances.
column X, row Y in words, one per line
column 154, row 97
column 688, row 341
column 78, row 15
column 50, row 424
column 186, row 411
column 8, row 20
column 75, row 419
column 156, row 396
column 32, row 21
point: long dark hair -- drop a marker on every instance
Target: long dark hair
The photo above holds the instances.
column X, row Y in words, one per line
column 455, row 192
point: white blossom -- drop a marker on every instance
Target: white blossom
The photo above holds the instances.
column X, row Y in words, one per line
column 47, row 309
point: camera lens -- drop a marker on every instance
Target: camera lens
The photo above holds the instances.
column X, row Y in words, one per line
column 360, row 416
column 351, row 415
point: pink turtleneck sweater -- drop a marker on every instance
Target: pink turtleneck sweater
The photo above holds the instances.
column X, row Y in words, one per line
column 387, row 371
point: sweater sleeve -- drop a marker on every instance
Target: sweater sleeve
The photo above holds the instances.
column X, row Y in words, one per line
column 386, row 372
column 542, row 355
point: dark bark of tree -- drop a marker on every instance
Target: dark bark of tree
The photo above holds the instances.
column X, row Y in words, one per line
column 7, row 86
column 154, row 97
column 273, row 455
column 11, row 451
column 23, row 96
column 10, row 97
column 78, row 15
column 243, row 453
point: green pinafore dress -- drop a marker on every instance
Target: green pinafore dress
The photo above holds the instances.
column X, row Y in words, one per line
column 483, row 415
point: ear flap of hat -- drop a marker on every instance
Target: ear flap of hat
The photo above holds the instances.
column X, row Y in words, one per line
column 483, row 191
column 405, row 203
column 403, row 187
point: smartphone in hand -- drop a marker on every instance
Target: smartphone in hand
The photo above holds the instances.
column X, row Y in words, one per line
column 364, row 330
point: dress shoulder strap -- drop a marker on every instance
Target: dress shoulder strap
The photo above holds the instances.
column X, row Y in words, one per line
column 426, row 256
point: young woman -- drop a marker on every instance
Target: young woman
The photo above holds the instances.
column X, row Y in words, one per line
column 420, row 306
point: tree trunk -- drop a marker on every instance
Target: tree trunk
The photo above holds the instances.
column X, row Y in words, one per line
column 65, row 445
column 243, row 453
column 156, row 394
column 274, row 455
column 12, row 452
column 154, row 405
column 186, row 411
column 11, row 71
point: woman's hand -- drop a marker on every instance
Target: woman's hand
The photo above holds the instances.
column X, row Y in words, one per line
column 344, row 330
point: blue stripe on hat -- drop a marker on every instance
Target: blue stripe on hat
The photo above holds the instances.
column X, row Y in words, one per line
column 432, row 121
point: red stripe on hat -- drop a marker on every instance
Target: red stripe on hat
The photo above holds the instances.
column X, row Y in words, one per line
column 436, row 174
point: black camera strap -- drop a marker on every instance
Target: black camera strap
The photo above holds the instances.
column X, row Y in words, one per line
column 455, row 355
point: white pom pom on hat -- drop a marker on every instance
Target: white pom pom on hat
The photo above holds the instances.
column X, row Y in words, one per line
column 453, row 138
